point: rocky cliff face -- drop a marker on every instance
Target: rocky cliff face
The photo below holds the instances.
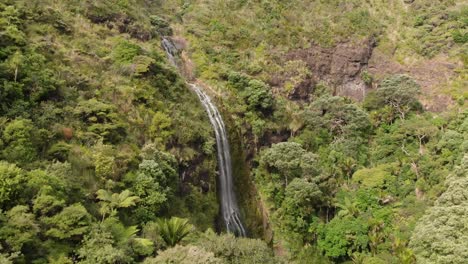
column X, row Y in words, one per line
column 432, row 74
column 340, row 67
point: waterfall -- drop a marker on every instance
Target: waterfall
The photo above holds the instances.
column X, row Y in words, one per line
column 171, row 51
column 229, row 207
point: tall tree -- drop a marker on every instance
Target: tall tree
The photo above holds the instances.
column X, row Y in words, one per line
column 399, row 92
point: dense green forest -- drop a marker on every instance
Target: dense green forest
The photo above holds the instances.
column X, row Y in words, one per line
column 347, row 120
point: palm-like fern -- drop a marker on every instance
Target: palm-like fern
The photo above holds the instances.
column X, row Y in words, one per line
column 348, row 208
column 174, row 230
column 112, row 201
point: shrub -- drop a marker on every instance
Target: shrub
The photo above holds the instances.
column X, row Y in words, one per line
column 125, row 51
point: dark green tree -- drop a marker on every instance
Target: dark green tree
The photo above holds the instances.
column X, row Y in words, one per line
column 400, row 92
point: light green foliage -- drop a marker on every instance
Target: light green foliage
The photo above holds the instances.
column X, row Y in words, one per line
column 142, row 64
column 24, row 74
column 298, row 207
column 10, row 26
column 53, row 181
column 160, row 129
column 237, row 250
column 343, row 236
column 8, row 258
column 302, row 194
column 437, row 26
column 12, row 180
column 298, row 196
column 452, row 144
column 59, row 151
column 298, row 72
column 18, row 137
column 112, row 242
column 441, row 235
column 373, row 260
column 348, row 208
column 125, row 51
column 73, row 221
column 18, row 228
column 110, row 202
column 152, row 196
column 45, row 204
column 184, row 255
column 154, row 170
column 420, row 128
column 451, row 140
column 85, row 96
column 104, row 162
column 256, row 100
column 154, row 182
column 366, row 77
column 60, row 260
column 159, row 165
column 406, row 139
column 142, row 246
column 151, row 232
column 373, row 177
column 98, row 247
column 126, row 238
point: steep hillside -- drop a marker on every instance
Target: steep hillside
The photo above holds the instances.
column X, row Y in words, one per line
column 347, row 122
column 402, row 64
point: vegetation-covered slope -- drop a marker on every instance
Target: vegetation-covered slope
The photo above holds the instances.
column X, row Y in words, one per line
column 107, row 157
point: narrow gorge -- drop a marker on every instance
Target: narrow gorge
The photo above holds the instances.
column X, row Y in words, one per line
column 229, row 206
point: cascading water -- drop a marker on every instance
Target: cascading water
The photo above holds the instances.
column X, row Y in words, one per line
column 229, row 207
column 171, row 51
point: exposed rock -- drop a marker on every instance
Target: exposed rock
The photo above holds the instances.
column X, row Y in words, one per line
column 419, row 193
column 302, row 90
column 431, row 74
column 339, row 66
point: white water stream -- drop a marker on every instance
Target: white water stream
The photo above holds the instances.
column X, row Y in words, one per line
column 229, row 207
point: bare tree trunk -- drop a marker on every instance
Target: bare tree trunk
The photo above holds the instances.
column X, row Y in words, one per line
column 421, row 147
column 327, row 214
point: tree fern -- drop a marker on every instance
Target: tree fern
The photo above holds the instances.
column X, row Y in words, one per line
column 112, row 201
column 174, row 230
